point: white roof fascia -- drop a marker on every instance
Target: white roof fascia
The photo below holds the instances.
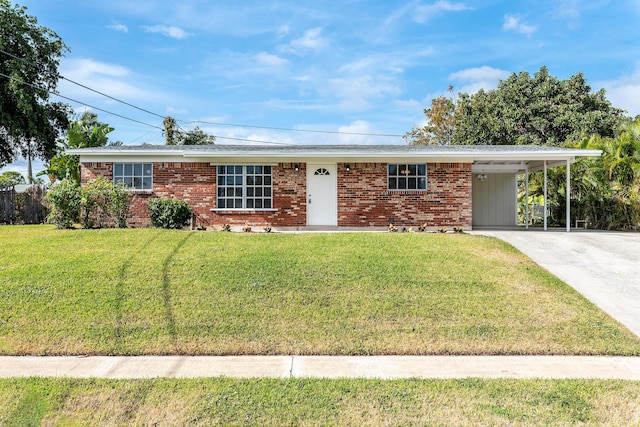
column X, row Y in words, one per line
column 354, row 155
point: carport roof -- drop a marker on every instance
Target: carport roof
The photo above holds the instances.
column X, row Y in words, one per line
column 485, row 158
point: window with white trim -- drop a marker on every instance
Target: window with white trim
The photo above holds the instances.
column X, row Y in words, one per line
column 136, row 176
column 406, row 176
column 244, row 187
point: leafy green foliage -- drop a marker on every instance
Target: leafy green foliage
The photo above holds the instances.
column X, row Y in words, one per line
column 539, row 110
column 441, row 123
column 606, row 190
column 99, row 203
column 86, row 132
column 169, row 213
column 11, row 178
column 30, row 122
column 65, row 200
column 176, row 136
column 104, row 202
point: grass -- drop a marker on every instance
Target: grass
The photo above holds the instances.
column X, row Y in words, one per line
column 224, row 401
column 148, row 291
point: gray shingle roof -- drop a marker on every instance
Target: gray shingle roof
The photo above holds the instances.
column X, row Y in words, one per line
column 334, row 149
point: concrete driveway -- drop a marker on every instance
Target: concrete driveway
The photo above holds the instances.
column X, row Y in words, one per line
column 602, row 266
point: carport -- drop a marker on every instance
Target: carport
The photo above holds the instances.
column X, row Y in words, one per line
column 495, row 176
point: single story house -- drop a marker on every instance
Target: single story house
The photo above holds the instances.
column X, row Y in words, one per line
column 329, row 185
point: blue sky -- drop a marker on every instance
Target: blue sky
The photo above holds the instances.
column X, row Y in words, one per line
column 349, row 66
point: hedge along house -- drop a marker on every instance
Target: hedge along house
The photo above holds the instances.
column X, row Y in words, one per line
column 329, row 185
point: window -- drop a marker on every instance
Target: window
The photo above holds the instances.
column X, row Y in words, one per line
column 244, row 187
column 136, row 176
column 407, row 177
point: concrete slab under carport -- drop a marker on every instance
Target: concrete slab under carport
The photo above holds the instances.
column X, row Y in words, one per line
column 604, row 266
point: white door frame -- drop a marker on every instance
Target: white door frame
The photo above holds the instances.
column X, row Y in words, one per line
column 322, row 194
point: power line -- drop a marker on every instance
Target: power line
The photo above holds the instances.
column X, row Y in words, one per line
column 86, row 87
column 202, row 121
column 130, row 119
column 251, row 140
column 290, row 129
column 80, row 102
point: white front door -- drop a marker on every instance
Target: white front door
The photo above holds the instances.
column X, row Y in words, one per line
column 322, row 194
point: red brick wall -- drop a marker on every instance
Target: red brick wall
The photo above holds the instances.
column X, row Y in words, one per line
column 363, row 198
column 195, row 184
column 289, row 198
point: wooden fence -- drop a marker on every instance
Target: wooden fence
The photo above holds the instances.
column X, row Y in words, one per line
column 23, row 208
column 7, row 205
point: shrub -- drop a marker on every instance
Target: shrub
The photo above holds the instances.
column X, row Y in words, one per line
column 65, row 200
column 104, row 202
column 169, row 213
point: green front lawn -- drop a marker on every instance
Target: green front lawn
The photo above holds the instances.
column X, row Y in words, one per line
column 149, row 291
column 356, row 402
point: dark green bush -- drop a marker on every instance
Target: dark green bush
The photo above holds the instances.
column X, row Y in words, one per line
column 65, row 200
column 104, row 203
column 169, row 213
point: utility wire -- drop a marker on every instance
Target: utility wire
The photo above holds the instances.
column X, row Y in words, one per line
column 86, row 87
column 130, row 119
column 251, row 140
column 80, row 102
column 289, row 129
column 201, row 121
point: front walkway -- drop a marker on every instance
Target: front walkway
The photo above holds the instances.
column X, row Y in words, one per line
column 384, row 367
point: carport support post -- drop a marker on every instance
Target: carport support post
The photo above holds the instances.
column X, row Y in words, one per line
column 526, row 199
column 545, row 196
column 567, row 192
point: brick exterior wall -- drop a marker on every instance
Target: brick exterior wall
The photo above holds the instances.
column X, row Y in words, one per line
column 195, row 183
column 363, row 198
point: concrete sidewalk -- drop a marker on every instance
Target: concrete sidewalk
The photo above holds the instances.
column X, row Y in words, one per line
column 384, row 367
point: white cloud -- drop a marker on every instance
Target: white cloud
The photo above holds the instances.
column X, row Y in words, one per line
column 424, row 12
column 624, row 92
column 515, row 23
column 176, row 111
column 116, row 26
column 169, row 31
column 474, row 79
column 312, row 40
column 111, row 79
column 356, row 92
column 270, row 60
column 358, row 126
column 283, row 30
column 568, row 9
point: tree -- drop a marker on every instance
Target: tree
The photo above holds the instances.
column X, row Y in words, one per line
column 171, row 132
column 440, row 126
column 538, row 110
column 29, row 56
column 176, row 136
column 85, row 132
column 11, row 178
column 605, row 190
column 198, row 137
